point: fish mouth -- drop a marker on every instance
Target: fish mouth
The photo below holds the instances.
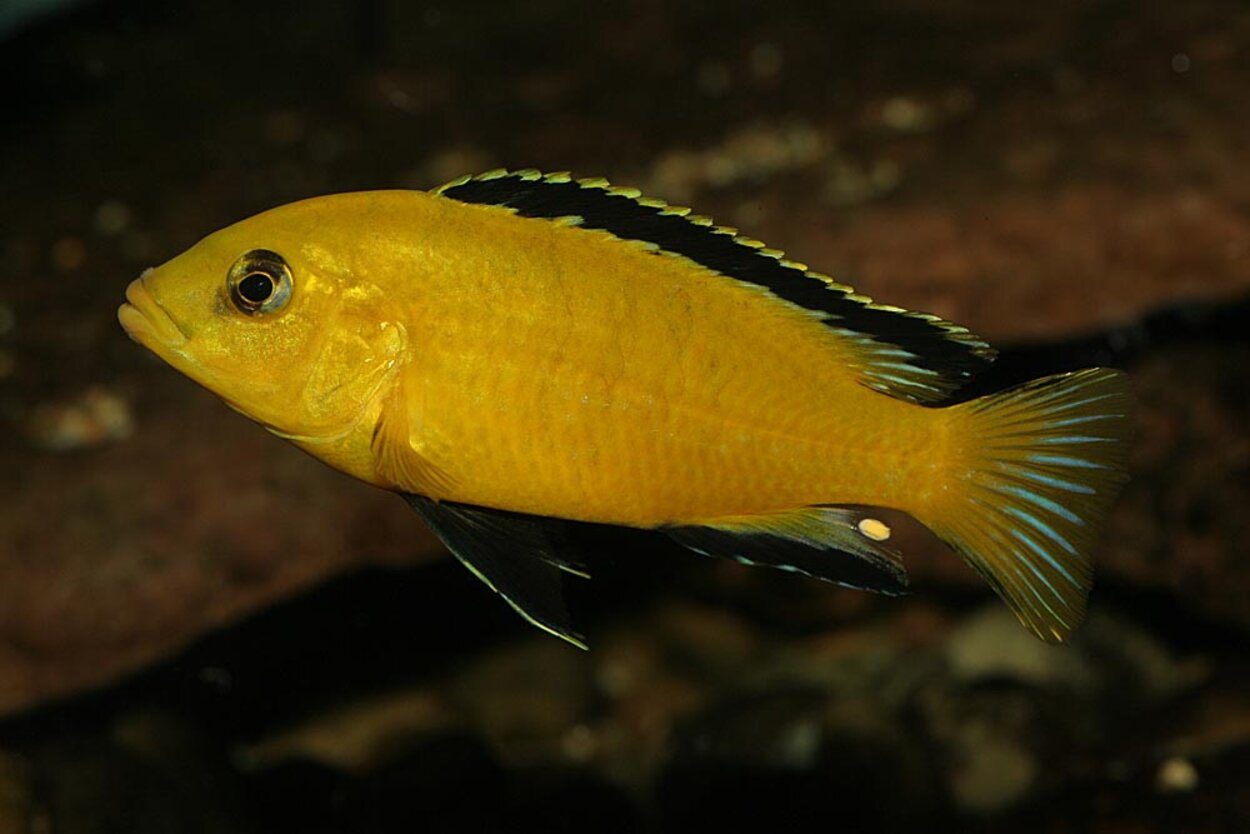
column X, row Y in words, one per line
column 145, row 320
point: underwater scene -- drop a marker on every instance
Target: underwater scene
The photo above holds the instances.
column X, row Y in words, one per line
column 641, row 417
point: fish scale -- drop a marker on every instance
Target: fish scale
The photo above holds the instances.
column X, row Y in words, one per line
column 663, row 423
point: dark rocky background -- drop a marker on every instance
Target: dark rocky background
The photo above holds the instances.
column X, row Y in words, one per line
column 202, row 630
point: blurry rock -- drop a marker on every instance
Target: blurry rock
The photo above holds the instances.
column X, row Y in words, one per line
column 766, row 60
column 112, row 217
column 356, row 737
column 804, row 734
column 19, row 813
column 325, row 146
column 547, row 91
column 907, row 115
column 775, row 730
column 138, row 247
column 198, row 519
column 992, row 645
column 525, row 698
column 299, row 795
column 68, row 254
column 1135, row 668
column 1176, row 775
column 920, row 113
column 580, row 743
column 1212, row 728
column 713, row 78
column 773, row 755
column 715, row 642
column 1016, row 267
column 992, row 747
column 998, row 708
column 285, row 127
column 1009, row 710
column 412, row 92
column 849, row 183
column 1109, row 660
column 569, row 801
column 93, row 418
column 1182, row 525
column 444, row 783
column 1033, row 161
column 747, row 154
column 94, row 785
column 642, row 695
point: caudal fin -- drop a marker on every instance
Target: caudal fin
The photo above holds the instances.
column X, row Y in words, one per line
column 1035, row 472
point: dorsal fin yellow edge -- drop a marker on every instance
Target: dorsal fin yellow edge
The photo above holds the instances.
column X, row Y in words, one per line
column 882, row 364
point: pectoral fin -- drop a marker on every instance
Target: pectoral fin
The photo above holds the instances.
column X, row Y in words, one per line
column 518, row 556
column 836, row 544
column 399, row 461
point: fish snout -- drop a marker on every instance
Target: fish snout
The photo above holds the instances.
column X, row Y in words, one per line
column 145, row 320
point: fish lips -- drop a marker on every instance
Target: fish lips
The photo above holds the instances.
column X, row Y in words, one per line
column 145, row 320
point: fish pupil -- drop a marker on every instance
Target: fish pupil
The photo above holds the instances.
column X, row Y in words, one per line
column 256, row 287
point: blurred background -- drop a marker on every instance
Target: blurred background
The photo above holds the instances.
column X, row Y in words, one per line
column 203, row 630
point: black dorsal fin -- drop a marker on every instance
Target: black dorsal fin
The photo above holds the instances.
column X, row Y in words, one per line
column 915, row 356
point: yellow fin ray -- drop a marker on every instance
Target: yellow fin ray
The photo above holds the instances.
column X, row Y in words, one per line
column 398, row 460
column 1044, row 462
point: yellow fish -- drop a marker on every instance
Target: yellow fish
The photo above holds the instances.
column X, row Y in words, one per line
column 514, row 350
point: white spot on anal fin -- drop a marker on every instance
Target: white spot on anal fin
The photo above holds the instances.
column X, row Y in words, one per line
column 874, row 528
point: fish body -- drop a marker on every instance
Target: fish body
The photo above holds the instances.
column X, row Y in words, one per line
column 514, row 350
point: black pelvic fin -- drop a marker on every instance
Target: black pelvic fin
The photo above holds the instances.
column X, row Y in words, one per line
column 518, row 556
column 836, row 544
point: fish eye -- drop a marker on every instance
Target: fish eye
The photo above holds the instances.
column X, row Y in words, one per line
column 259, row 282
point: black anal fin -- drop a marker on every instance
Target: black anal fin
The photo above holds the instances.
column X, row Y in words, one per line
column 837, row 544
column 518, row 556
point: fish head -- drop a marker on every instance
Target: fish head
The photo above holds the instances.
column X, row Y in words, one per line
column 280, row 316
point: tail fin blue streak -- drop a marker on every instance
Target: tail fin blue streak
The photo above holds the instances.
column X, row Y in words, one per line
column 1031, row 487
